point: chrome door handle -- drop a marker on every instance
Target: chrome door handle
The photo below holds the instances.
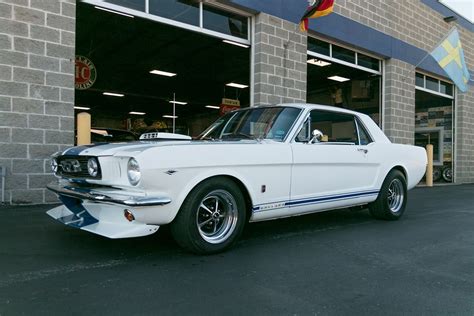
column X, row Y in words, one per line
column 362, row 150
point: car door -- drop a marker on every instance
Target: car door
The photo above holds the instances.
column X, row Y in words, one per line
column 336, row 170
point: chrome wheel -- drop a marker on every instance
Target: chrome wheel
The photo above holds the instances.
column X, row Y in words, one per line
column 395, row 196
column 216, row 216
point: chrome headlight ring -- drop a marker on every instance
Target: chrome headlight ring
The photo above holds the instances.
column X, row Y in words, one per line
column 93, row 167
column 133, row 171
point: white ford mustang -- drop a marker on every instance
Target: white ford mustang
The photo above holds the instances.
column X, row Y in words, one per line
column 253, row 164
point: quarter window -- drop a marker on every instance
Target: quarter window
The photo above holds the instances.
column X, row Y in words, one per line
column 364, row 138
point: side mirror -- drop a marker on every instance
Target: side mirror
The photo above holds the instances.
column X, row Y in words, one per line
column 317, row 136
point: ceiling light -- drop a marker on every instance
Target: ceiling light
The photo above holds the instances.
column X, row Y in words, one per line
column 179, row 102
column 338, row 78
column 113, row 11
column 81, row 108
column 213, row 107
column 170, row 116
column 162, row 73
column 137, row 113
column 318, row 62
column 236, row 85
column 236, row 44
column 113, row 94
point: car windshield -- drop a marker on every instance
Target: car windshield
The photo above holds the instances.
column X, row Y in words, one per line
column 253, row 123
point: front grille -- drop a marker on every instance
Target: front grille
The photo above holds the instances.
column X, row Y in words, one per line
column 76, row 167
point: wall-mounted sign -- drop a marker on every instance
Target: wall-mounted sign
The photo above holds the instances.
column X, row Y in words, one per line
column 228, row 105
column 86, row 73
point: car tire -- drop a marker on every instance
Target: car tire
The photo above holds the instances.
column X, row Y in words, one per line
column 448, row 174
column 211, row 218
column 392, row 198
column 436, row 174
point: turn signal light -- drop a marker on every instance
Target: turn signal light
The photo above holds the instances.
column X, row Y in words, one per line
column 128, row 215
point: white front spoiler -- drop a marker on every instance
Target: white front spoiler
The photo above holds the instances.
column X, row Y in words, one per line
column 87, row 222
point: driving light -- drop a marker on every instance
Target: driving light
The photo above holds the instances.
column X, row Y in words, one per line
column 54, row 162
column 54, row 165
column 92, row 167
column 133, row 171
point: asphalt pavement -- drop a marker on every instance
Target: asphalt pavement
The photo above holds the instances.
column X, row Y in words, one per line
column 334, row 263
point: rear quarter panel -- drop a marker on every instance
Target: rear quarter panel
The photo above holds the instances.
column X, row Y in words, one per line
column 411, row 158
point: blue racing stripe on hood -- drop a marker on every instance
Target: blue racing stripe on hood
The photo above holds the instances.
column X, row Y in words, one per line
column 78, row 149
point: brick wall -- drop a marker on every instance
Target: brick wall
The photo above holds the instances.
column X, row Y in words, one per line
column 280, row 61
column 465, row 137
column 37, row 41
column 399, row 118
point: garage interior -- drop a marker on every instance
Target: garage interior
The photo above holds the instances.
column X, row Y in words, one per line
column 124, row 49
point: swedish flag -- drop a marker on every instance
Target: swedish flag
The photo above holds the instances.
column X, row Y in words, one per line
column 450, row 57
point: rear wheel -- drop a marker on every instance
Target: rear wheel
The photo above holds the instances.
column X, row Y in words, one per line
column 392, row 199
column 211, row 218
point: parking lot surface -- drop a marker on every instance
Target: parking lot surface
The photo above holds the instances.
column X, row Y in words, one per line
column 334, row 263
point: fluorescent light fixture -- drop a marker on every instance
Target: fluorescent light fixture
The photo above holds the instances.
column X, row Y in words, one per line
column 179, row 102
column 213, row 107
column 318, row 62
column 236, row 85
column 162, row 73
column 170, row 116
column 137, row 113
column 236, row 44
column 113, row 94
column 113, row 11
column 81, row 108
column 338, row 78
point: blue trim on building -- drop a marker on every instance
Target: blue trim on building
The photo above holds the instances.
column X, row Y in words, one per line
column 345, row 30
column 445, row 11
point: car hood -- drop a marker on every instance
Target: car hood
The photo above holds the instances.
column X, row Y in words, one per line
column 133, row 148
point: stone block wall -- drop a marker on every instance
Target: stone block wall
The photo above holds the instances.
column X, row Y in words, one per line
column 37, row 45
column 399, row 117
column 280, row 50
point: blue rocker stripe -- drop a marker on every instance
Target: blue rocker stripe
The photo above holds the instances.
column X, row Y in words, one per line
column 317, row 200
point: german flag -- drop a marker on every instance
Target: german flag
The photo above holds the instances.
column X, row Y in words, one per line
column 319, row 8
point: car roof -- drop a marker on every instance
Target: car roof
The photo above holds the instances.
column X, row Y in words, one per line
column 310, row 106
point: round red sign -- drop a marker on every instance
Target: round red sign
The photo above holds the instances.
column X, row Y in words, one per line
column 86, row 73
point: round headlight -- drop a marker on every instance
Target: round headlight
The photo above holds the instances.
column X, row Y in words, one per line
column 133, row 171
column 54, row 165
column 92, row 167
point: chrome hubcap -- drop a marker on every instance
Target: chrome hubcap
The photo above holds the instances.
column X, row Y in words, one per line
column 395, row 195
column 216, row 216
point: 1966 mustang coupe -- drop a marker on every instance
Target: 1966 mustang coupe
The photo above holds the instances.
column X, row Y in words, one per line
column 253, row 164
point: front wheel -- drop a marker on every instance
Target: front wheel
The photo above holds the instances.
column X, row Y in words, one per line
column 392, row 199
column 211, row 218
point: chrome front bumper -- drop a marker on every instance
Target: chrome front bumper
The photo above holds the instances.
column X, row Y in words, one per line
column 108, row 195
